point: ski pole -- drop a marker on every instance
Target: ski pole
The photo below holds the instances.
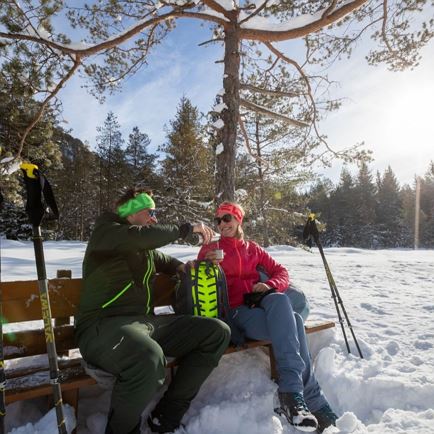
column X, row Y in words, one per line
column 2, row 372
column 311, row 232
column 2, row 359
column 38, row 188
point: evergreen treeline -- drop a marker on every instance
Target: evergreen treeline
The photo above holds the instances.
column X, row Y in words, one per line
column 360, row 211
column 363, row 211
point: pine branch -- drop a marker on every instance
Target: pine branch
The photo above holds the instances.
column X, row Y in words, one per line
column 113, row 41
column 257, row 11
column 44, row 104
column 245, row 86
column 259, row 109
column 389, row 47
column 314, row 26
column 248, row 147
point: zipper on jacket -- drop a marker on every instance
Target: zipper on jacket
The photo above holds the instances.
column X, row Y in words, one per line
column 146, row 284
column 239, row 260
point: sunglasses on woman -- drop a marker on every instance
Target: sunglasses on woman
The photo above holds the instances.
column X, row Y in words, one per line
column 152, row 213
column 226, row 218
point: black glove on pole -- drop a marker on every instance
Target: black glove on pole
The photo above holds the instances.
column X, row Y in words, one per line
column 38, row 189
column 310, row 234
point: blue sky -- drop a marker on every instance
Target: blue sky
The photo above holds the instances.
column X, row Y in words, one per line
column 390, row 111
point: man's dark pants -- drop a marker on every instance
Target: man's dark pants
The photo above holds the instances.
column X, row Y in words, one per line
column 133, row 348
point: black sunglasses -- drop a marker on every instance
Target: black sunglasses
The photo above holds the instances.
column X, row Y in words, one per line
column 152, row 213
column 226, row 218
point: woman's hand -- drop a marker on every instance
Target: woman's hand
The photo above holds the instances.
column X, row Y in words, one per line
column 211, row 255
column 260, row 287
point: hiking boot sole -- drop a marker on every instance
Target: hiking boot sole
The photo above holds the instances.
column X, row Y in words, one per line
column 312, row 427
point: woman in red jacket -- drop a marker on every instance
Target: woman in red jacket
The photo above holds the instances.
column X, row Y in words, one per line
column 261, row 310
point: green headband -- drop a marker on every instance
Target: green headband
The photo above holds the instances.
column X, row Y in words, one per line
column 136, row 204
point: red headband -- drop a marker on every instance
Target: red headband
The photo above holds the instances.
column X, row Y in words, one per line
column 229, row 208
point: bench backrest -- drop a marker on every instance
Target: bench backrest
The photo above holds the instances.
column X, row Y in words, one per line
column 20, row 302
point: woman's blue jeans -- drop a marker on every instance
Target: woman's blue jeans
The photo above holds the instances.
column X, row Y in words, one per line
column 276, row 321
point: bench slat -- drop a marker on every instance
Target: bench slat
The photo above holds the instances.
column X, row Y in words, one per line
column 20, row 300
column 28, row 390
column 32, row 342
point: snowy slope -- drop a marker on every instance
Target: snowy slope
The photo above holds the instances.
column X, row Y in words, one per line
column 389, row 296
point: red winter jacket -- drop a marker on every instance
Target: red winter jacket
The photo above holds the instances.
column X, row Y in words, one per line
column 239, row 264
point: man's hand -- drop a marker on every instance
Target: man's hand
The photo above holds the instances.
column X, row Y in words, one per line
column 205, row 231
column 260, row 287
column 181, row 267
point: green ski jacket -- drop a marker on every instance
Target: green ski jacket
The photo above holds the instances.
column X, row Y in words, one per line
column 118, row 267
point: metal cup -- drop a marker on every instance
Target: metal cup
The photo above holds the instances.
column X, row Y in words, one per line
column 219, row 254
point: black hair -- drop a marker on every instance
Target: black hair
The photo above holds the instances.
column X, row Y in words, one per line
column 131, row 193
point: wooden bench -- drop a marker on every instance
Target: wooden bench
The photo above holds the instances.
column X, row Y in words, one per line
column 20, row 302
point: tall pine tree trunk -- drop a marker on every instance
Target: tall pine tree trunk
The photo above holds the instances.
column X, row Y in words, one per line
column 225, row 176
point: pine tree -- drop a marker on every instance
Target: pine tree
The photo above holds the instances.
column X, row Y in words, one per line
column 408, row 199
column 112, row 165
column 427, row 208
column 75, row 189
column 17, row 106
column 389, row 219
column 140, row 163
column 187, row 169
column 341, row 226
column 365, row 205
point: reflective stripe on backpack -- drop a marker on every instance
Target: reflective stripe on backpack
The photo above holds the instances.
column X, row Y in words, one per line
column 202, row 291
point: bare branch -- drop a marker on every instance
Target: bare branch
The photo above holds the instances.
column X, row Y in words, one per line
column 310, row 94
column 257, row 11
column 248, row 147
column 386, row 39
column 215, row 6
column 272, row 65
column 114, row 41
column 258, row 109
column 330, row 8
column 314, row 26
column 139, row 61
column 44, row 104
column 210, row 41
column 245, row 86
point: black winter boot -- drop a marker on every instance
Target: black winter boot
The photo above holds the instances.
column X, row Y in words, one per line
column 325, row 417
column 159, row 425
column 293, row 407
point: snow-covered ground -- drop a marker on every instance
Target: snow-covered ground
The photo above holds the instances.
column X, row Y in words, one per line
column 389, row 297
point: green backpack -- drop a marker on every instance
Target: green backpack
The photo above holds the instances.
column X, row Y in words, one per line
column 202, row 291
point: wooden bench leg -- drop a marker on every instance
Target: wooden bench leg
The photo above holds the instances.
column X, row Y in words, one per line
column 273, row 367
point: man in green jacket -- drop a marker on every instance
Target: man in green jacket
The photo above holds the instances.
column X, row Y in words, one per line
column 117, row 331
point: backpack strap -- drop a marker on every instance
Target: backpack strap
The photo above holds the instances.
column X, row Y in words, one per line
column 237, row 336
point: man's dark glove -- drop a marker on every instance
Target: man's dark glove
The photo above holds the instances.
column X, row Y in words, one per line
column 253, row 299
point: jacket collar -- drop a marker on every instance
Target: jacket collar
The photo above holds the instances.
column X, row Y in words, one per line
column 232, row 241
